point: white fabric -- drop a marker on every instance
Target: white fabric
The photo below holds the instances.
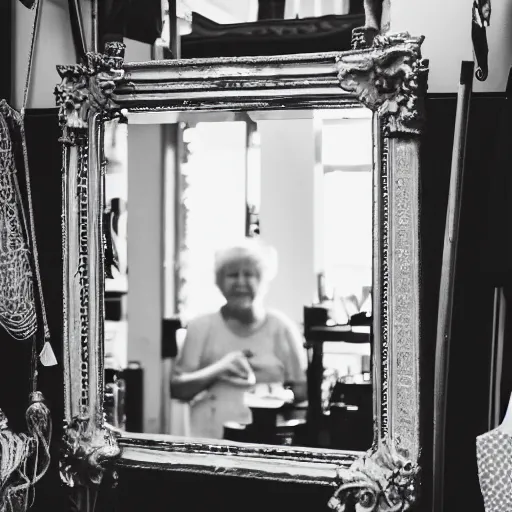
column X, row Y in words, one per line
column 494, row 457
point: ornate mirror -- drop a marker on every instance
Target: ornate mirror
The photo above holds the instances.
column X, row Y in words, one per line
column 310, row 157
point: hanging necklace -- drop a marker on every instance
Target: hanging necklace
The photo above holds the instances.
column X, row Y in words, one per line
column 25, row 457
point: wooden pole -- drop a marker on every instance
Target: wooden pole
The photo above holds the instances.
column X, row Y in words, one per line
column 497, row 346
column 77, row 30
column 446, row 289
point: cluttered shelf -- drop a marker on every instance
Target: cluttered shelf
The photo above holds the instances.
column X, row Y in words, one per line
column 340, row 333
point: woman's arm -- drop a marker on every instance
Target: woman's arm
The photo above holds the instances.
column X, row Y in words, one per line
column 186, row 385
column 189, row 378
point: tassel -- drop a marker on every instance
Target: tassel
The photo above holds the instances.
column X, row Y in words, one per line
column 15, row 450
column 24, row 458
column 47, row 357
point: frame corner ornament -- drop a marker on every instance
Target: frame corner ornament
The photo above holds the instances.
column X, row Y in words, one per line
column 362, row 37
column 88, row 87
column 389, row 77
column 87, row 453
column 384, row 480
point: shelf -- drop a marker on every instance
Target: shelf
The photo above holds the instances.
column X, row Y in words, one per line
column 342, row 333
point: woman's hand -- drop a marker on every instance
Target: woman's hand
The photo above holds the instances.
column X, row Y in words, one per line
column 235, row 365
column 233, row 368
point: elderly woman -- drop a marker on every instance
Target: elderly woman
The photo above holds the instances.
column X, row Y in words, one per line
column 227, row 352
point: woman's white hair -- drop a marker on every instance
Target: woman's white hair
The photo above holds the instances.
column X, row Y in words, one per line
column 264, row 257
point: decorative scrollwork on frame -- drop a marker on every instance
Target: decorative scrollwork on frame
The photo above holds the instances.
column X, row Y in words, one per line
column 362, row 37
column 383, row 481
column 88, row 86
column 385, row 292
column 390, row 78
column 84, row 93
column 86, row 453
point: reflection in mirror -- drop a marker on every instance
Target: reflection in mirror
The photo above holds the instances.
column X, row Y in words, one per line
column 238, row 256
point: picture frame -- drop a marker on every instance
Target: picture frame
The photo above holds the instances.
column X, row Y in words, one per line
column 389, row 77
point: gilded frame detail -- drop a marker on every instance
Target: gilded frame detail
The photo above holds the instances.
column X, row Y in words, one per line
column 389, row 77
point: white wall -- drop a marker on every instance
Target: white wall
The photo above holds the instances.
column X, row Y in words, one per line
column 287, row 210
column 216, row 201
column 145, row 270
column 446, row 25
column 55, row 46
column 136, row 52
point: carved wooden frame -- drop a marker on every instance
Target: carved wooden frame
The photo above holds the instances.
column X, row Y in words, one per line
column 389, row 77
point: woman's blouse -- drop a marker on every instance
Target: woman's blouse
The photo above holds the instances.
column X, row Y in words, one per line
column 278, row 356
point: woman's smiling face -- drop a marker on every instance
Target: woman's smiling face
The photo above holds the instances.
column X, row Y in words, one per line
column 240, row 283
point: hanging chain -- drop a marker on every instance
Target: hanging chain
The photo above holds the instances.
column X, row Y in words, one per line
column 33, row 235
column 35, row 27
column 33, row 364
column 33, row 36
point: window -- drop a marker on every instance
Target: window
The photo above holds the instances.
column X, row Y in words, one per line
column 346, row 158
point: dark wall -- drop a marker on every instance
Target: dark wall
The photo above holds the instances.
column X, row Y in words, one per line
column 482, row 264
column 435, row 171
column 183, row 493
column 45, row 169
column 5, row 49
column 45, row 163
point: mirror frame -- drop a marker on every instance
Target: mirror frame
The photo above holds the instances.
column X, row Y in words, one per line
column 389, row 77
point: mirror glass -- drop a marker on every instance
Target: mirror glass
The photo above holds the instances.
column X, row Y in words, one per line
column 238, row 250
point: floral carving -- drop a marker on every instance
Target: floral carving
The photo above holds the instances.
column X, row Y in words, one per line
column 390, row 78
column 86, row 453
column 383, row 481
column 362, row 37
column 87, row 87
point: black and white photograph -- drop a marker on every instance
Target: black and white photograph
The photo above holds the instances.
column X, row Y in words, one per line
column 255, row 255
